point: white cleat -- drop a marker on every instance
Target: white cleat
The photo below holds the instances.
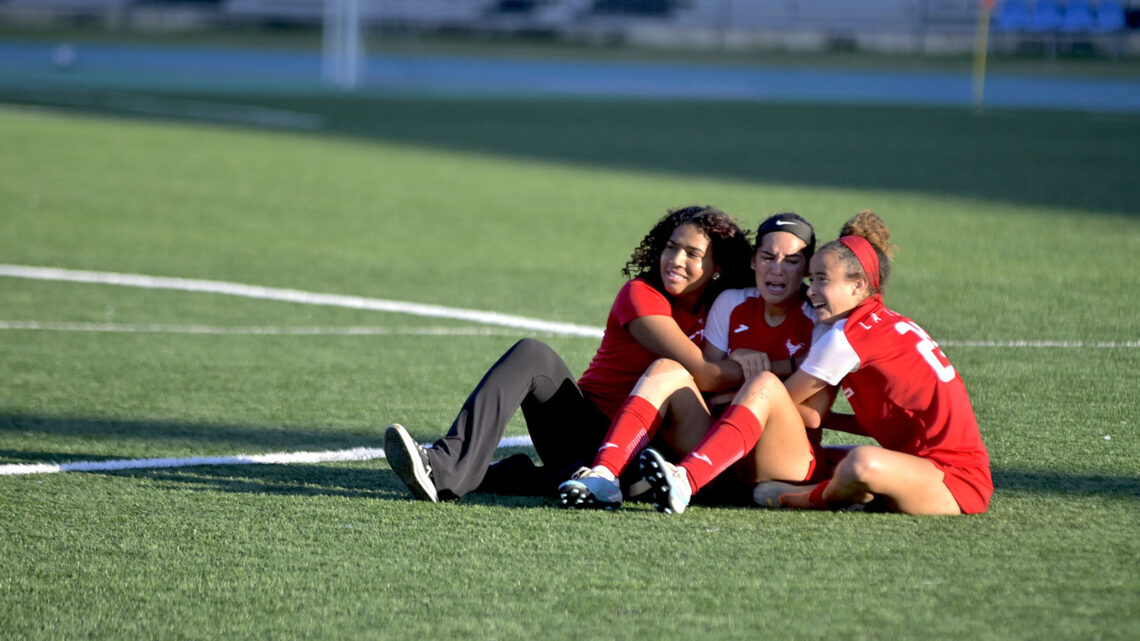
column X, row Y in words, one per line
column 768, row 493
column 671, row 491
column 589, row 489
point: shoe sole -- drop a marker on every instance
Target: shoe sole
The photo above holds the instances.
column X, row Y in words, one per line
column 767, row 494
column 400, row 450
column 576, row 496
column 652, row 468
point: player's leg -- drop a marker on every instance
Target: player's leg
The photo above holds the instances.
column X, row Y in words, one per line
column 665, row 395
column 665, row 389
column 783, row 449
column 530, row 375
column 761, row 410
column 908, row 484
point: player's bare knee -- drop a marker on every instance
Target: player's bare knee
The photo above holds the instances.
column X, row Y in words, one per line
column 661, row 379
column 863, row 464
column 665, row 367
column 759, row 390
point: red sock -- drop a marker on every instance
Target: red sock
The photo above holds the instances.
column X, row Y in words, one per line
column 816, row 497
column 632, row 428
column 729, row 439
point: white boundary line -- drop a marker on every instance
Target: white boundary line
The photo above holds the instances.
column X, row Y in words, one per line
column 356, row 302
column 222, row 330
column 278, row 458
column 371, row 330
column 296, row 296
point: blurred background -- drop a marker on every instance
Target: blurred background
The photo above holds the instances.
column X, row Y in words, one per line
column 463, row 45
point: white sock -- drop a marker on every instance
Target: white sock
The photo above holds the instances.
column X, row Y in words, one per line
column 603, row 471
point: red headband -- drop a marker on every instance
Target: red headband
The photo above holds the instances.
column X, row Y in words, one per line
column 867, row 256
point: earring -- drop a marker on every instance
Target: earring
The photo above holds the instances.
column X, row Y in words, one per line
column 716, row 276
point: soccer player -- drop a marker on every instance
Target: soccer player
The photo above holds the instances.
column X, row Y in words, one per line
column 930, row 458
column 689, row 257
column 763, row 327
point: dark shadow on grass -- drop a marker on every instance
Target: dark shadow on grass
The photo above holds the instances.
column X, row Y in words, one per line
column 373, row 480
column 231, row 439
column 1042, row 158
column 1067, row 483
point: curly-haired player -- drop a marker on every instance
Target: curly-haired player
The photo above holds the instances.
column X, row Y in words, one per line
column 689, row 257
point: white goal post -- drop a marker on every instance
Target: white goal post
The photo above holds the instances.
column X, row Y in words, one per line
column 342, row 53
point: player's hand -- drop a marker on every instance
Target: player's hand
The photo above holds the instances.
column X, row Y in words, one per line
column 752, row 362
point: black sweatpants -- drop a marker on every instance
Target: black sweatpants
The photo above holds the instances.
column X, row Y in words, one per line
column 565, row 425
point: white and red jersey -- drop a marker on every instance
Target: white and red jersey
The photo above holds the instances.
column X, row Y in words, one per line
column 621, row 359
column 905, row 393
column 736, row 321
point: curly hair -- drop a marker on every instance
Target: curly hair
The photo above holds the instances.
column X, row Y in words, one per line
column 731, row 249
column 868, row 225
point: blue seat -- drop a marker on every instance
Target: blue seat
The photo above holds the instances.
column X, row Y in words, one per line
column 1109, row 17
column 1047, row 17
column 1079, row 17
column 1013, row 16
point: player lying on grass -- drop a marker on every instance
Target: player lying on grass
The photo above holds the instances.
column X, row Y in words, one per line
column 904, row 393
column 689, row 257
column 763, row 327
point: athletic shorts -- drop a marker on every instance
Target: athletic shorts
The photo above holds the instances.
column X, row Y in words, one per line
column 971, row 486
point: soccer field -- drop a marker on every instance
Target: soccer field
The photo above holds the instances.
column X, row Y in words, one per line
column 1019, row 235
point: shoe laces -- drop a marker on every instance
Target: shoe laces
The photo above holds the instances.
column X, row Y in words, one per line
column 582, row 472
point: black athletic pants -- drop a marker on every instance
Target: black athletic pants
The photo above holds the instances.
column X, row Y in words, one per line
column 564, row 424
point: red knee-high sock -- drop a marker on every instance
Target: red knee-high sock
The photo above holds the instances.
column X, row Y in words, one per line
column 632, row 428
column 729, row 439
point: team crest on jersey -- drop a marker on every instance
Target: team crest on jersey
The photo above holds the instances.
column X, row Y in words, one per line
column 792, row 347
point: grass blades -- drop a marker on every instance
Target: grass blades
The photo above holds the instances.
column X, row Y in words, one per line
column 1006, row 233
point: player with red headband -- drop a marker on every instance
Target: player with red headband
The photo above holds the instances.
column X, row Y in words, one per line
column 905, row 394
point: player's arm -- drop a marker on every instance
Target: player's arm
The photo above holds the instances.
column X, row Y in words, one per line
column 663, row 337
column 812, row 396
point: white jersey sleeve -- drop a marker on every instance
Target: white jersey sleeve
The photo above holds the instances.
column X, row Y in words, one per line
column 831, row 356
column 720, row 316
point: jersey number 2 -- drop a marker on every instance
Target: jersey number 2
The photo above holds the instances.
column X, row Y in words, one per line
column 930, row 352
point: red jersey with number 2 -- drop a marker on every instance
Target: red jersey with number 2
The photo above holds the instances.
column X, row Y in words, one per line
column 907, row 396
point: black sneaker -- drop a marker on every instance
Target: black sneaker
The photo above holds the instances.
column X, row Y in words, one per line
column 409, row 461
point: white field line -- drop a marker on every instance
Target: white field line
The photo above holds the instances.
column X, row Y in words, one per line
column 371, row 330
column 222, row 330
column 356, row 302
column 279, row 458
column 297, row 296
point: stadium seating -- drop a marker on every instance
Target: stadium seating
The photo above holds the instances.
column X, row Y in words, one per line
column 1047, row 17
column 1079, row 17
column 1050, row 25
column 1012, row 17
column 1109, row 17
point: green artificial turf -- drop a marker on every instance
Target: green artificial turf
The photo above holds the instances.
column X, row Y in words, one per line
column 1018, row 226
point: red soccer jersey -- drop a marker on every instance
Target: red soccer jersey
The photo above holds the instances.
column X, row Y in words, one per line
column 906, row 395
column 736, row 321
column 621, row 360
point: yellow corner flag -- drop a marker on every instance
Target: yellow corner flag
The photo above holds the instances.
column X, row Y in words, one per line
column 981, row 46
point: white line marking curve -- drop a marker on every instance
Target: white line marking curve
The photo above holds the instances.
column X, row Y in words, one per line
column 296, row 296
column 278, row 458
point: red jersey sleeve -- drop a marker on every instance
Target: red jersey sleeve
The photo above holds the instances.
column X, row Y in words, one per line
column 638, row 298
